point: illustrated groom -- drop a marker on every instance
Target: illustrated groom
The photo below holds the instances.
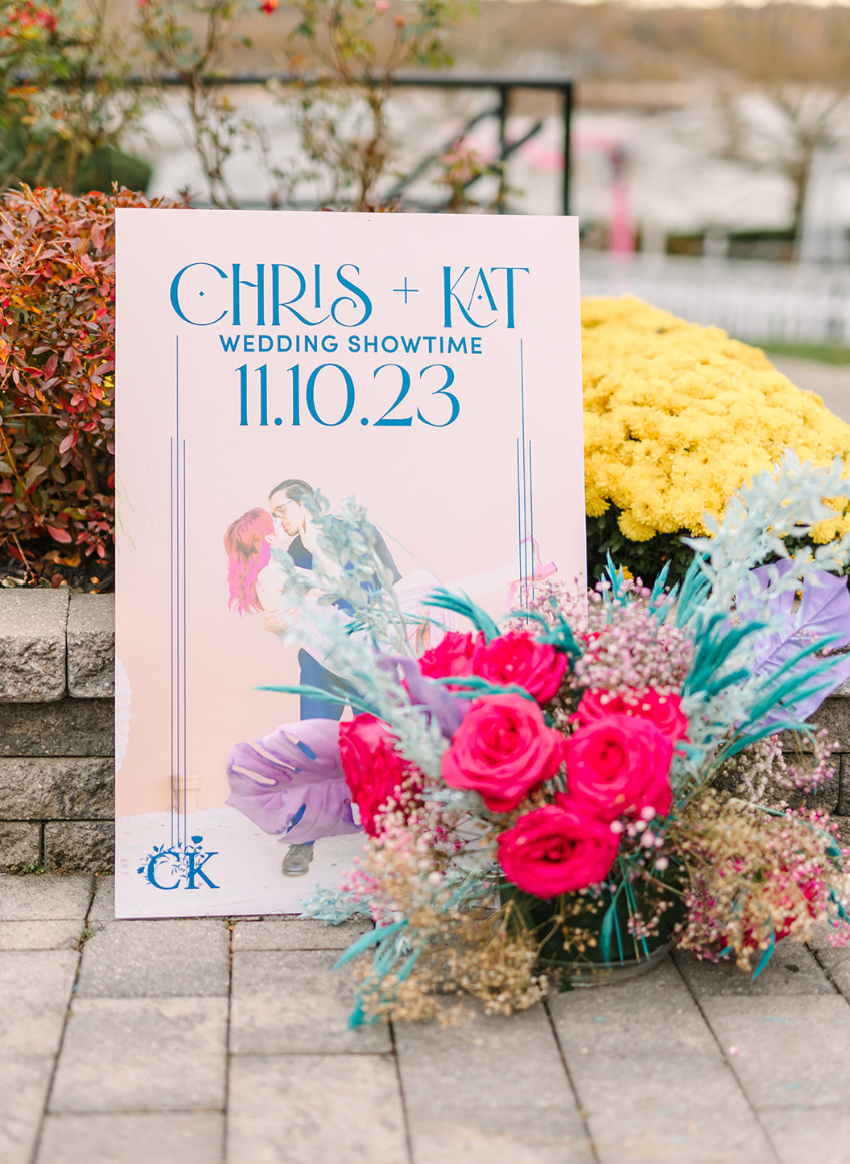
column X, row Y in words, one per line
column 292, row 520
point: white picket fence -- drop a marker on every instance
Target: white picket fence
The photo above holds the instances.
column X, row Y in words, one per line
column 785, row 302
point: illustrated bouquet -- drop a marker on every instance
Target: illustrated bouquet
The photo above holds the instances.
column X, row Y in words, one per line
column 571, row 790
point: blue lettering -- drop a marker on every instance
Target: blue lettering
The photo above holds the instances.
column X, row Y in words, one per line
column 450, row 293
column 367, row 342
column 411, row 345
column 457, row 345
column 510, row 283
column 329, row 343
column 175, row 294
column 247, row 343
column 196, row 869
column 476, row 294
column 280, row 346
column 277, row 302
column 261, row 297
column 151, row 873
column 229, row 343
column 265, row 343
column 361, row 295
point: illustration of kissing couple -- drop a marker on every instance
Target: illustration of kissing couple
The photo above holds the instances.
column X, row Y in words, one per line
column 289, row 782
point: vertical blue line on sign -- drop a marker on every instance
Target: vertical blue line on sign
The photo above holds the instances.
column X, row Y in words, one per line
column 185, row 658
column 531, row 513
column 518, row 513
column 525, row 510
column 175, row 771
column 171, row 612
column 524, row 496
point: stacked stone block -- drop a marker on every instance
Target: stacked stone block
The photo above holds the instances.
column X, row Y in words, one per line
column 56, row 729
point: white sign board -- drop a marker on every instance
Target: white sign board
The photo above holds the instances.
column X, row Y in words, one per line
column 427, row 365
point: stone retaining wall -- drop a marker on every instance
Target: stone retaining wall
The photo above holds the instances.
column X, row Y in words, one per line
column 57, row 654
column 57, row 770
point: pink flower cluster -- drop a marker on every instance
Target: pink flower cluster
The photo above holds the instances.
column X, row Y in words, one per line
column 610, row 776
column 28, row 16
column 617, row 765
column 377, row 774
column 515, row 658
column 617, row 762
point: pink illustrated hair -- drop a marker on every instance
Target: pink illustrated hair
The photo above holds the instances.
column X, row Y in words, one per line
column 248, row 553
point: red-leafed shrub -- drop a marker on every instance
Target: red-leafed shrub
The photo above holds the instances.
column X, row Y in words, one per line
column 57, row 358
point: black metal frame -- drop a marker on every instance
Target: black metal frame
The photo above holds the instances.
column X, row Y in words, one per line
column 503, row 86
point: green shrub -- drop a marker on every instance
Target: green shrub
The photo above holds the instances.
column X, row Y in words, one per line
column 64, row 94
column 57, row 359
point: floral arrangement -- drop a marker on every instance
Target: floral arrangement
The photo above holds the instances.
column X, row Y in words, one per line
column 676, row 418
column 582, row 784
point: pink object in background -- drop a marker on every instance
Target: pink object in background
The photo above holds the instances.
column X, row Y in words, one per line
column 544, row 159
column 622, row 235
column 621, row 232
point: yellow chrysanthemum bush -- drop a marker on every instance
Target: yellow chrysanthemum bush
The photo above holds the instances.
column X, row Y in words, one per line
column 676, row 418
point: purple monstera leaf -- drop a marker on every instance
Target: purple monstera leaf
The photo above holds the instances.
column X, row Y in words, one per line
column 290, row 783
column 824, row 610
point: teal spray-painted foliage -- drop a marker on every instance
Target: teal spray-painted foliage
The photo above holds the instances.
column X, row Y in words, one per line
column 348, row 569
column 727, row 696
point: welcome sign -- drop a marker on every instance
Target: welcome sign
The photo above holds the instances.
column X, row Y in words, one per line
column 426, row 365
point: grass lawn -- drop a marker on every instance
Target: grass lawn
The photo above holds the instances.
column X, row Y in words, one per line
column 825, row 353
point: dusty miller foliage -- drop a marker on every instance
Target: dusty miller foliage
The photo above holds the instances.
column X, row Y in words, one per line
column 774, row 506
column 363, row 649
column 725, row 700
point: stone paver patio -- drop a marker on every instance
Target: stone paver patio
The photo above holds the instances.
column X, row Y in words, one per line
column 199, row 1041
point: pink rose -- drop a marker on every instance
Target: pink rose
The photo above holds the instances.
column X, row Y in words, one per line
column 559, row 848
column 452, row 656
column 502, row 750
column 620, row 764
column 597, row 702
column 373, row 769
column 518, row 657
column 665, row 711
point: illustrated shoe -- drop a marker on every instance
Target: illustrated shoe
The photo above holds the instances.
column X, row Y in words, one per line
column 297, row 860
